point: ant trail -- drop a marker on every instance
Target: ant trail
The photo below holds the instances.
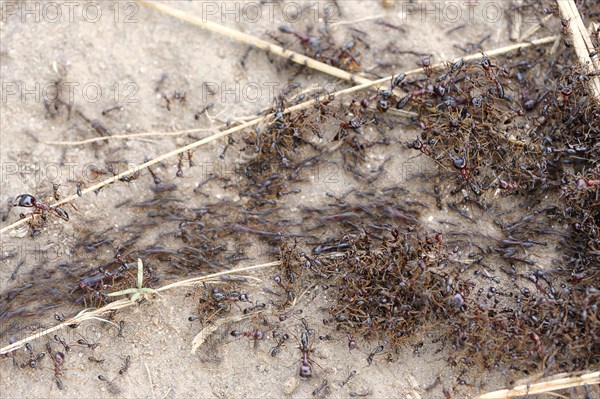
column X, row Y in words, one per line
column 256, row 121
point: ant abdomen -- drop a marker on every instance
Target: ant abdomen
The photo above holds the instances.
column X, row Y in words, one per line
column 26, row 200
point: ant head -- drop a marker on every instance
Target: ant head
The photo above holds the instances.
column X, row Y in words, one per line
column 305, row 371
column 25, row 200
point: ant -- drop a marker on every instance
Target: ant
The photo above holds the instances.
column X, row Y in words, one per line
column 256, row 335
column 281, row 338
column 121, row 328
column 59, row 359
column 308, row 42
column 61, row 318
column 427, row 65
column 32, row 359
column 428, row 89
column 351, row 341
column 377, row 350
column 29, row 201
column 126, row 365
column 55, row 187
column 63, row 343
column 305, row 367
column 179, row 172
column 95, row 360
column 564, row 22
column 460, row 163
column 155, row 178
column 91, row 346
column 487, row 66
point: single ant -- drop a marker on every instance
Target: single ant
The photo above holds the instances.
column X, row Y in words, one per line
column 60, row 317
column 256, row 335
column 311, row 41
column 538, row 344
column 564, row 22
column 377, row 350
column 121, row 328
column 280, row 342
column 350, row 376
column 323, row 386
column 382, row 22
column 29, row 201
column 79, row 186
column 126, row 365
column 305, row 367
column 110, row 109
column 55, row 187
column 199, row 113
column 351, row 341
column 179, row 172
column 63, row 343
column 427, row 65
column 487, row 67
column 461, row 165
column 59, row 359
column 155, row 178
column 91, row 346
column 429, row 89
column 32, row 359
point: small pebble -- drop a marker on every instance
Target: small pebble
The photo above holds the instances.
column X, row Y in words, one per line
column 291, row 385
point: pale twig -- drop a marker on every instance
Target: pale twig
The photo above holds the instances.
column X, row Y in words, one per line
column 529, row 32
column 516, row 21
column 544, row 387
column 256, row 121
column 581, row 42
column 192, row 281
column 356, row 21
column 207, row 331
column 150, row 378
column 256, row 42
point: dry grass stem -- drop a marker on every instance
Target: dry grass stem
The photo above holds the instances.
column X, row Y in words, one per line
column 581, row 42
column 545, row 387
column 529, row 32
column 256, row 42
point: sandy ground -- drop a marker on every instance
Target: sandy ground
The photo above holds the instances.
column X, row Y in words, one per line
column 128, row 57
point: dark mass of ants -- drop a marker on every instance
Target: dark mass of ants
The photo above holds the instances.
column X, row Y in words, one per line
column 524, row 127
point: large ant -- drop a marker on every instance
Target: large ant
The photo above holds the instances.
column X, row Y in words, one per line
column 59, row 359
column 29, row 201
column 305, row 367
